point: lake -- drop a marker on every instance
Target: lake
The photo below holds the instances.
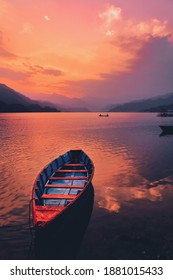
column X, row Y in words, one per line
column 133, row 180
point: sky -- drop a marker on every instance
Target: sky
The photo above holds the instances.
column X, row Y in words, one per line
column 114, row 51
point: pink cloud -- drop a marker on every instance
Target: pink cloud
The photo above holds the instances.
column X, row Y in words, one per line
column 150, row 75
column 111, row 14
column 43, row 70
column 117, row 25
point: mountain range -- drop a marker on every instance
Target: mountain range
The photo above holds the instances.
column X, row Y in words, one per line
column 62, row 102
column 156, row 104
column 13, row 101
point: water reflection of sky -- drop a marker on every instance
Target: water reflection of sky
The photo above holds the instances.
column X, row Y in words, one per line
column 137, row 166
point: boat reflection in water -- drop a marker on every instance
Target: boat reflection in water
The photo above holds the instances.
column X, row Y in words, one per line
column 65, row 240
column 166, row 130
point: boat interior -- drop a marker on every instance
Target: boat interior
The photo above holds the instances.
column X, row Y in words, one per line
column 62, row 180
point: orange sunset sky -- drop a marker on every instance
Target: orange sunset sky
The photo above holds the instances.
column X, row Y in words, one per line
column 118, row 50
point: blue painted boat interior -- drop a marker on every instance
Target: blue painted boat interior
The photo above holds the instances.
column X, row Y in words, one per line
column 63, row 172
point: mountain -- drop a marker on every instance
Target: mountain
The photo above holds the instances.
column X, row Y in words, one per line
column 10, row 96
column 13, row 101
column 155, row 104
column 61, row 101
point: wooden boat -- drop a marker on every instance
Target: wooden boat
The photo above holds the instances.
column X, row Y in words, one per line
column 103, row 115
column 59, row 189
column 167, row 129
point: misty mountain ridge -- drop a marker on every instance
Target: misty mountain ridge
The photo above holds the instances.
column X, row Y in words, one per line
column 13, row 101
column 63, row 102
column 154, row 104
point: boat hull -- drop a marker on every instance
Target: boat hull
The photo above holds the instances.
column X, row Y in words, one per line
column 167, row 129
column 63, row 237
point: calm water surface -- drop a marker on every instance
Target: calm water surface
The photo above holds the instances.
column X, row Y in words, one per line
column 133, row 181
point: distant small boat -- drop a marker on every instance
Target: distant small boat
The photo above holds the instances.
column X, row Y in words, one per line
column 167, row 129
column 165, row 114
column 61, row 186
column 104, row 115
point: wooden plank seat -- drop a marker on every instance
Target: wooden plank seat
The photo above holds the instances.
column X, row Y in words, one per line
column 58, row 196
column 71, row 170
column 63, row 186
column 49, row 208
column 73, row 164
column 69, row 178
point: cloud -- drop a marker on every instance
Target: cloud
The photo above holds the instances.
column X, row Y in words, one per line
column 110, row 15
column 151, row 74
column 116, row 26
column 47, row 18
column 146, row 29
column 109, row 33
column 53, row 72
column 33, row 69
column 128, row 37
column 131, row 38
